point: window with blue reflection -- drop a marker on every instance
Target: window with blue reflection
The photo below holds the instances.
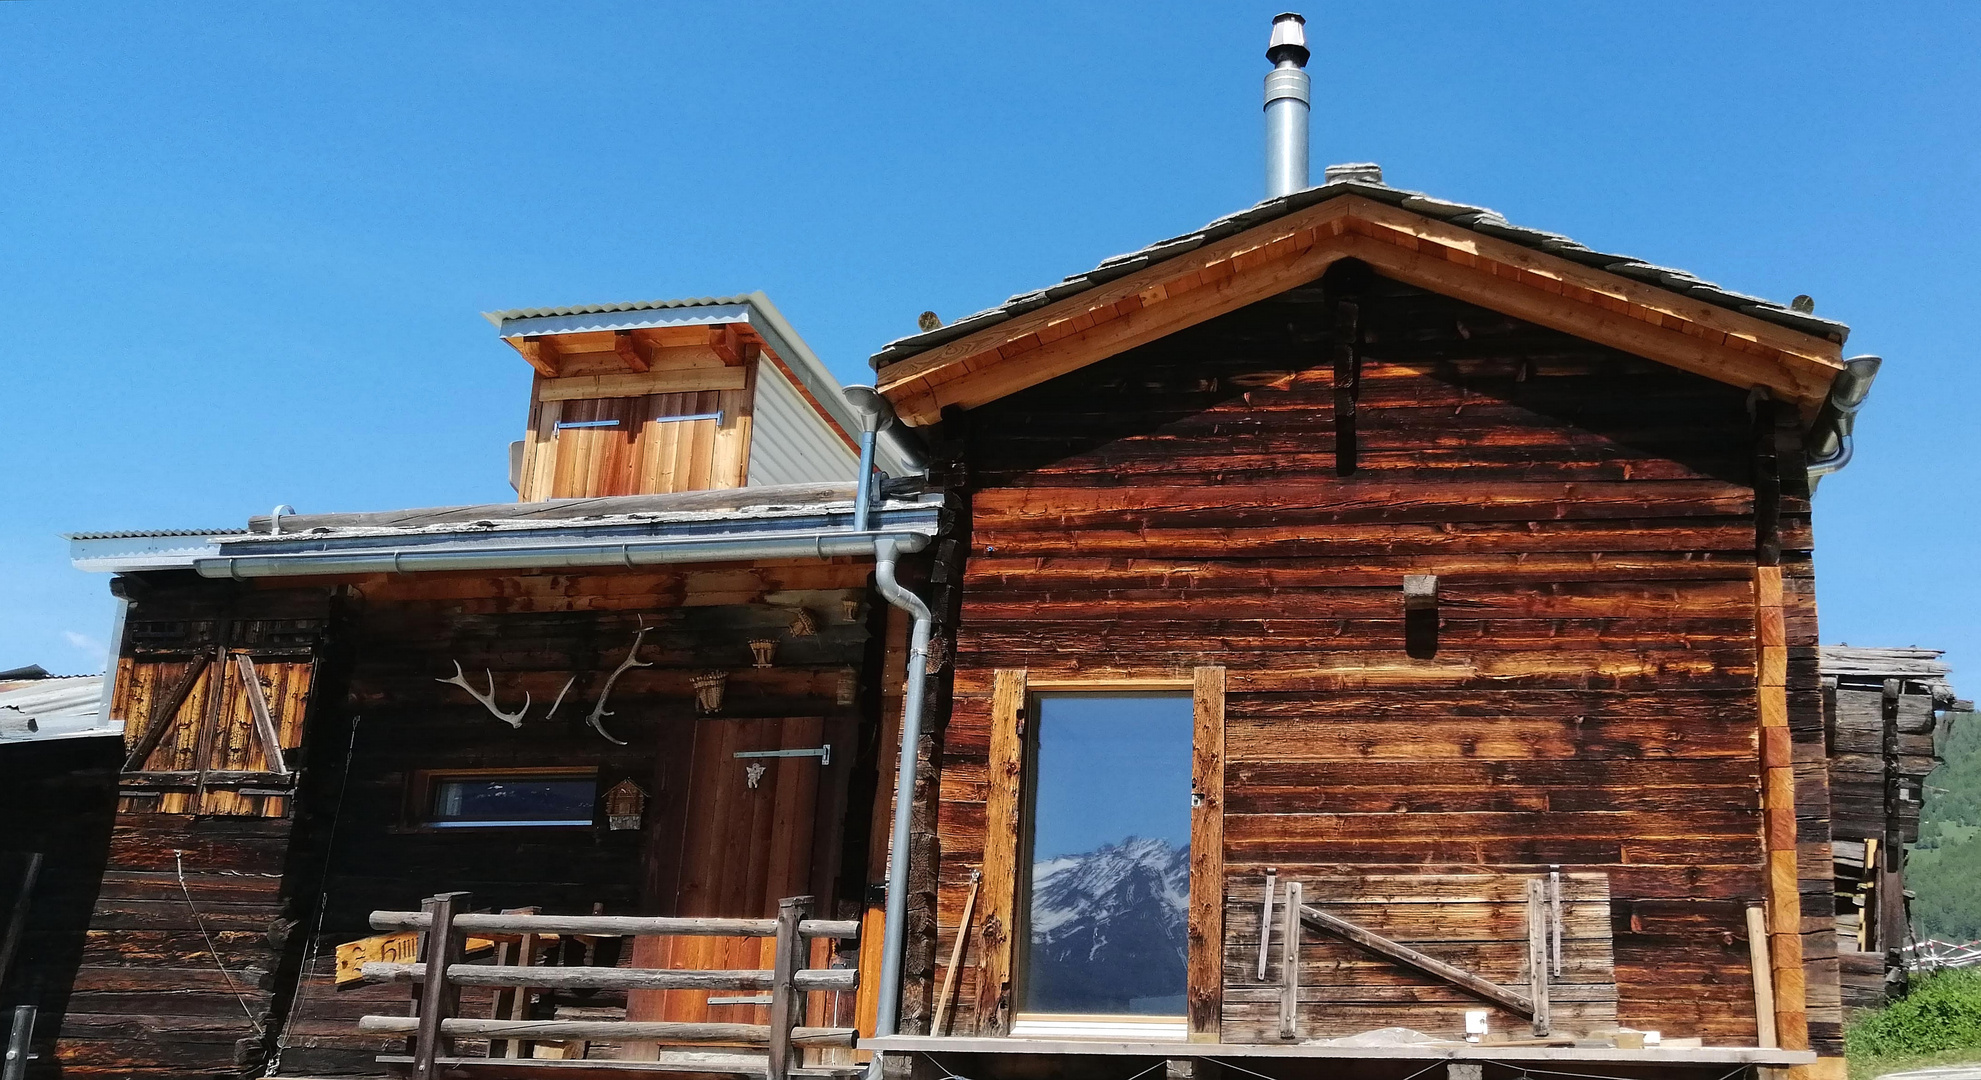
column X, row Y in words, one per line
column 523, row 799
column 1108, row 899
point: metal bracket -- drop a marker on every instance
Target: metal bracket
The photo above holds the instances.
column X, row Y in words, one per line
column 739, row 999
column 685, row 417
column 823, row 753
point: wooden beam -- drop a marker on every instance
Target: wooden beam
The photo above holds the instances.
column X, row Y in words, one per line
column 163, row 713
column 1429, row 965
column 633, row 350
column 1537, row 955
column 1002, row 829
column 1544, row 289
column 1204, row 982
column 264, row 722
column 675, row 381
column 540, row 351
column 1781, row 887
column 1764, row 982
column 1289, row 961
column 724, row 340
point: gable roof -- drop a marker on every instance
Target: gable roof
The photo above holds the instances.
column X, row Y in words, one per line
column 1467, row 252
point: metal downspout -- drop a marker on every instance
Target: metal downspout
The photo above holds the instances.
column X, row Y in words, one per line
column 894, row 942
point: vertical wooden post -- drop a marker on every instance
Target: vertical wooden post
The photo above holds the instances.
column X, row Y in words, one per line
column 439, row 947
column 1764, row 980
column 1781, row 883
column 1537, row 953
column 1289, row 959
column 1204, row 970
column 786, row 1003
column 1002, row 826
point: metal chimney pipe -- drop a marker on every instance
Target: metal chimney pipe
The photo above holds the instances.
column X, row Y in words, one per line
column 1287, row 105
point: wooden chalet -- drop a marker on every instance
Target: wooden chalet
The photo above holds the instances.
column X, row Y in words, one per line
column 1359, row 634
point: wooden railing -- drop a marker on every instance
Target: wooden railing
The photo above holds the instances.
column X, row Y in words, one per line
column 444, row 925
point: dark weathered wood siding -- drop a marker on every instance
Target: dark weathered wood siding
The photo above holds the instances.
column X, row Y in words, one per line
column 535, row 632
column 1591, row 700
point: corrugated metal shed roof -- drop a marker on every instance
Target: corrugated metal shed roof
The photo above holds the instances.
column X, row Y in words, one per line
column 498, row 317
column 57, row 707
column 146, row 534
column 1479, row 219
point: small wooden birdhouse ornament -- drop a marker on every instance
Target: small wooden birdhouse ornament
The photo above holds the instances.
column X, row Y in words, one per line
column 803, row 624
column 850, row 607
column 625, row 806
column 708, row 690
column 762, row 650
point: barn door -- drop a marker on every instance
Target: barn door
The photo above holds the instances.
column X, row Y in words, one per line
column 747, row 844
column 210, row 731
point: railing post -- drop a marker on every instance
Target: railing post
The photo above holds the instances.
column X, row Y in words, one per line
column 785, row 1000
column 439, row 947
column 15, row 1066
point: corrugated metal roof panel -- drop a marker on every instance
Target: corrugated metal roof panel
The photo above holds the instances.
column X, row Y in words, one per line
column 59, row 707
column 498, row 317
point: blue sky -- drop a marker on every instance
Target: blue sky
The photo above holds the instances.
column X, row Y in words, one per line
column 243, row 247
column 1110, row 768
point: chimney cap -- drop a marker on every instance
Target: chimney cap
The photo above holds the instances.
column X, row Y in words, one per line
column 1354, row 172
column 1289, row 40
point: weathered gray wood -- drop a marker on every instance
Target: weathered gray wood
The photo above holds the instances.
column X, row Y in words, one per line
column 1429, row 965
column 673, row 1061
column 656, row 1031
column 1763, row 968
column 1537, row 954
column 1289, row 951
column 605, row 978
column 616, row 925
column 271, row 743
column 786, row 1001
column 1266, row 921
column 441, row 944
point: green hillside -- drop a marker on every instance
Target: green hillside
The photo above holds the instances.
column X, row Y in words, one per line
column 1944, row 872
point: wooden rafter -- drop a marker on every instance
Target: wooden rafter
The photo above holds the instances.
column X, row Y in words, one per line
column 724, row 340
column 636, row 351
column 1545, row 289
column 540, row 351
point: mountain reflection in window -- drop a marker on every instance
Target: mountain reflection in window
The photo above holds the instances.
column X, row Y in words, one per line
column 1110, row 868
column 465, row 802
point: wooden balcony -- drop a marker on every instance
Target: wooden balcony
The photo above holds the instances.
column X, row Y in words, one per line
column 441, row 1042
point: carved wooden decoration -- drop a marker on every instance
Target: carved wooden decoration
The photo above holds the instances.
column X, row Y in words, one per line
column 763, row 651
column 850, row 608
column 625, row 806
column 803, row 624
column 708, row 691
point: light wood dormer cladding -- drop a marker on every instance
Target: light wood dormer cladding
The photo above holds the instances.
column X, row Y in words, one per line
column 639, row 412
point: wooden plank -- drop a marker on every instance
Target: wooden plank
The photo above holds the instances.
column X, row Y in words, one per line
column 940, row 1027
column 438, row 998
column 614, row 925
column 1002, row 831
column 1537, row 955
column 1289, row 961
column 641, row 384
column 1204, row 981
column 264, row 723
column 165, row 710
column 1764, row 986
column 1429, row 965
column 605, row 978
column 606, row 1030
column 541, row 352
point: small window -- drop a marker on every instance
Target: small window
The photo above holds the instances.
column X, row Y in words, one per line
column 1107, row 902
column 521, row 798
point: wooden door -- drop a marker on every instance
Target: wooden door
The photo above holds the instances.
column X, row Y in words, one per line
column 746, row 844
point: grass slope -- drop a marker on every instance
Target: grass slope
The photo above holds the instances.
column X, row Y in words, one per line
column 1944, row 870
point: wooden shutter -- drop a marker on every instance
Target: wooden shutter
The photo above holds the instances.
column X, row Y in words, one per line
column 208, row 731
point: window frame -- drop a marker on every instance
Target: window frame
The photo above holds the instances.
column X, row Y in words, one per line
column 1007, row 841
column 420, row 811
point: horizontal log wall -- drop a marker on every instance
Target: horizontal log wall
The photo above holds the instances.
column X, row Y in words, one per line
column 535, row 632
column 1591, row 698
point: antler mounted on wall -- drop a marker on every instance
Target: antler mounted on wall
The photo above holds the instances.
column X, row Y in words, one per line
column 598, row 710
column 460, row 679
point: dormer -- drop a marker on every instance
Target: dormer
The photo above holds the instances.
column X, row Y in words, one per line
column 673, row 395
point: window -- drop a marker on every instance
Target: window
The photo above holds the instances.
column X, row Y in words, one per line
column 1107, row 900
column 510, row 799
